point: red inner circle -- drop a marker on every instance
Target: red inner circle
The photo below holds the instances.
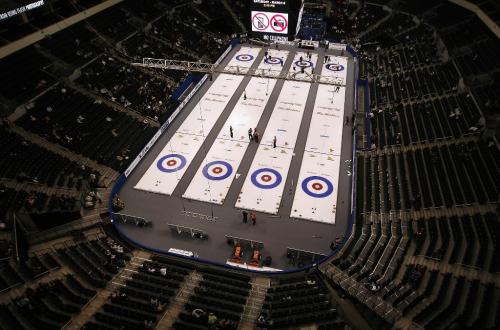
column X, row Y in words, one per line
column 317, row 186
column 171, row 162
column 217, row 170
column 266, row 178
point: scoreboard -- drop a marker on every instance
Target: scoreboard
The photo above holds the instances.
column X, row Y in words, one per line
column 269, row 19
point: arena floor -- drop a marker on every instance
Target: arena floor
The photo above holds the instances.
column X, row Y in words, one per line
column 299, row 190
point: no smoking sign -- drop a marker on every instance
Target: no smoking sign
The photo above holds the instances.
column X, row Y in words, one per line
column 260, row 21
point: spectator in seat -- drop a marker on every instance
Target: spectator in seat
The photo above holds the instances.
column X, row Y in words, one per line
column 311, row 282
column 212, row 319
column 198, row 313
column 148, row 325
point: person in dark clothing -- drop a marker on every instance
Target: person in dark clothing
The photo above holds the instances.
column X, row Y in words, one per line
column 253, row 217
column 245, row 216
column 231, row 131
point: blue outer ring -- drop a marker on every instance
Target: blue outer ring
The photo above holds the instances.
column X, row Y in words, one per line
column 217, row 178
column 266, row 169
column 280, row 61
column 297, row 64
column 339, row 67
column 160, row 166
column 250, row 57
column 328, row 191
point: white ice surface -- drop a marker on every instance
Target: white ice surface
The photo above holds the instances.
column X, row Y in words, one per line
column 315, row 208
column 245, row 114
column 193, row 131
column 242, row 66
column 321, row 155
column 335, row 70
column 284, row 124
column 325, row 128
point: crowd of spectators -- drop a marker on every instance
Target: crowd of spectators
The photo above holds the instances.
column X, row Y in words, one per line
column 86, row 126
column 28, row 162
column 397, row 24
column 142, row 45
column 98, row 52
column 144, row 296
column 376, row 258
column 215, row 17
column 416, row 72
column 75, row 45
column 129, row 86
column 348, row 20
column 217, row 302
column 298, row 300
column 115, row 23
column 186, row 35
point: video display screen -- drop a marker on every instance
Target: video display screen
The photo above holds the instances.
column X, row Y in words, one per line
column 269, row 19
